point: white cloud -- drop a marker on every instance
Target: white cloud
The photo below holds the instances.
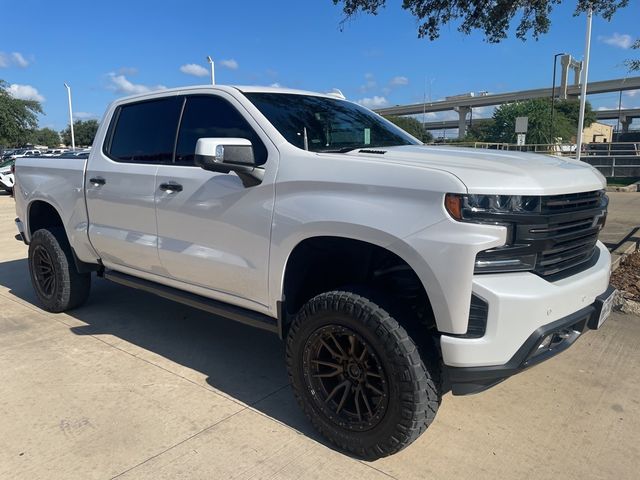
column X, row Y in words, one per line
column 373, row 102
column 24, row 92
column 19, row 60
column 631, row 93
column 194, row 69
column 85, row 115
column 230, row 64
column 120, row 84
column 15, row 58
column 399, row 81
column 276, row 85
column 370, row 82
column 617, row 40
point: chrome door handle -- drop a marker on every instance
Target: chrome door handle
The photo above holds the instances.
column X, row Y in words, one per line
column 97, row 181
column 171, row 187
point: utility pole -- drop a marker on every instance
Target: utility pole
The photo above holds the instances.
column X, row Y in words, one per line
column 213, row 76
column 585, row 77
column 73, row 138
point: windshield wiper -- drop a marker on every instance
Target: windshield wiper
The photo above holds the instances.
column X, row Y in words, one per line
column 341, row 150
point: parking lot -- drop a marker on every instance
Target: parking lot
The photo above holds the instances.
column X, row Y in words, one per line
column 134, row 386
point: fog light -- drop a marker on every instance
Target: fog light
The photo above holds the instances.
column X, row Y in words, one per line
column 546, row 342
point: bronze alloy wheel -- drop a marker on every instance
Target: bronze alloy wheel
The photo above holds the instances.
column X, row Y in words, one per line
column 58, row 284
column 346, row 378
column 44, row 271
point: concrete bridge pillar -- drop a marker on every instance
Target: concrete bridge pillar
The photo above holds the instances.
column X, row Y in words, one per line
column 462, row 120
column 625, row 122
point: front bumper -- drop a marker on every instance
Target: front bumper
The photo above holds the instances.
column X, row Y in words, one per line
column 520, row 303
column 468, row 380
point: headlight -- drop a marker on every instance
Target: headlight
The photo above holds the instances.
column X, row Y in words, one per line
column 472, row 208
column 496, row 210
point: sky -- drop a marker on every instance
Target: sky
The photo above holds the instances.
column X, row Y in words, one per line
column 105, row 50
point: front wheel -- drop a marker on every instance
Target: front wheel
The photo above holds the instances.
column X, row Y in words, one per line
column 56, row 281
column 358, row 376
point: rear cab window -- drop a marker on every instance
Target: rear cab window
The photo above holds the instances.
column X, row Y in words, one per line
column 144, row 132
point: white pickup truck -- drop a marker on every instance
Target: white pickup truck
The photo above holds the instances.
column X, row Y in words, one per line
column 394, row 271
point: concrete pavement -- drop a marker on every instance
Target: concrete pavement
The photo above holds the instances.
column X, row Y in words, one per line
column 134, row 386
column 623, row 217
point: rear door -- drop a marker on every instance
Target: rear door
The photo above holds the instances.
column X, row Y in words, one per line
column 121, row 182
column 214, row 232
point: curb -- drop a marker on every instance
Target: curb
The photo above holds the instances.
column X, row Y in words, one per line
column 621, row 252
column 634, row 187
column 622, row 304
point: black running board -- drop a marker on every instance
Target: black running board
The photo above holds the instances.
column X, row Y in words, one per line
column 232, row 312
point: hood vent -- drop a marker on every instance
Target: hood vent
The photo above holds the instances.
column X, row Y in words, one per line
column 376, row 152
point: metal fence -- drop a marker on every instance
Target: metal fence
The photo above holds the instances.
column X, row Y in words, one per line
column 612, row 159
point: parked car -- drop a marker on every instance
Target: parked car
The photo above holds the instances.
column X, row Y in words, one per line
column 54, row 152
column 7, row 153
column 394, row 271
column 25, row 152
column 6, row 175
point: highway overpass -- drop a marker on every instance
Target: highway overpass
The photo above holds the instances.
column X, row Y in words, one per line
column 626, row 116
column 463, row 105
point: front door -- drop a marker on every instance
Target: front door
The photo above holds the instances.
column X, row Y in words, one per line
column 213, row 232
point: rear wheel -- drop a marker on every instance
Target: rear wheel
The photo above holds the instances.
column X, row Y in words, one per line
column 56, row 281
column 358, row 375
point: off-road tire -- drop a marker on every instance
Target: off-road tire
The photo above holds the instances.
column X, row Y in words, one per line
column 68, row 289
column 413, row 395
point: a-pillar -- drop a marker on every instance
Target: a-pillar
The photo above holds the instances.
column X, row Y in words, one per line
column 462, row 120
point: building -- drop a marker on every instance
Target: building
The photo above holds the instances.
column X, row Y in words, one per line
column 597, row 133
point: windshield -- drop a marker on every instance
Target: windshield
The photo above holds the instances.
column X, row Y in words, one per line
column 320, row 124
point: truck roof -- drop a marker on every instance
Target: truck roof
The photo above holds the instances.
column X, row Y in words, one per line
column 227, row 88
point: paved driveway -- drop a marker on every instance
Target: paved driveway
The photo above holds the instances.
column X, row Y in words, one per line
column 133, row 386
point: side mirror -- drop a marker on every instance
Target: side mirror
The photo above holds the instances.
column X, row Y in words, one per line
column 225, row 154
column 229, row 155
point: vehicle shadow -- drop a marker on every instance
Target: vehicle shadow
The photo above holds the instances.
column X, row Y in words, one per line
column 241, row 362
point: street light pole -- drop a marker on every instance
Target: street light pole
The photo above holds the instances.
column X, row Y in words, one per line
column 73, row 138
column 553, row 95
column 585, row 76
column 213, row 77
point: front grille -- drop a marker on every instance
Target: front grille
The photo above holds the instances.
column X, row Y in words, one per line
column 572, row 202
column 567, row 232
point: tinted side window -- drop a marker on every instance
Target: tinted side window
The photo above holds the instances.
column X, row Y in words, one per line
column 145, row 132
column 208, row 117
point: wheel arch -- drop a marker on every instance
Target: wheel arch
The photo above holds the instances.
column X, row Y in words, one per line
column 349, row 252
column 43, row 214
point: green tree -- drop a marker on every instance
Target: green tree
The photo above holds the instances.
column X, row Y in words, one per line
column 633, row 64
column 571, row 110
column 538, row 110
column 492, row 17
column 45, row 136
column 17, row 118
column 412, row 126
column 84, row 132
column 480, row 131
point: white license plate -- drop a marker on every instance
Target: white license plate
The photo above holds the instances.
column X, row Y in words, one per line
column 607, row 306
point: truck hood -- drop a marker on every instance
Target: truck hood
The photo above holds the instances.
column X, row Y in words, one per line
column 495, row 171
